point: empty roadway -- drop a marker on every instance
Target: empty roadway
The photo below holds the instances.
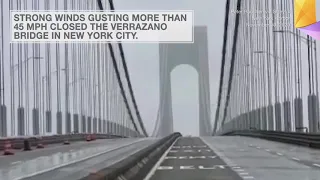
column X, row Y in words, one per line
column 27, row 163
column 79, row 170
column 265, row 160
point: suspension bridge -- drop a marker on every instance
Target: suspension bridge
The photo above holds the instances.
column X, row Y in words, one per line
column 68, row 111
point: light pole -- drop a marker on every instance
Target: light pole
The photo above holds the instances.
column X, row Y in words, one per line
column 262, row 107
column 277, row 104
column 75, row 114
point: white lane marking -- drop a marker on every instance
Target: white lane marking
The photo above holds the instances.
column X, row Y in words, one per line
column 202, row 150
column 76, row 161
column 239, row 170
column 187, row 167
column 171, row 157
column 316, row 165
column 16, row 162
column 155, row 167
column 188, row 151
column 296, row 159
column 197, row 157
column 237, row 167
column 199, row 146
column 243, row 173
column 268, row 150
column 258, row 147
column 279, row 154
column 173, row 151
column 247, row 177
column 212, row 167
column 164, row 168
column 190, row 157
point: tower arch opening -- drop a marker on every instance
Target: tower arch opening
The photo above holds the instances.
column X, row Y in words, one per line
column 185, row 99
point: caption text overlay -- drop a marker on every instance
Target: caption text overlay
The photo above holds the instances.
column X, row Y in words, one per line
column 80, row 26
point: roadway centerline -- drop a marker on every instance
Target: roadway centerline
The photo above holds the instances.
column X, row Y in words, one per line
column 189, row 159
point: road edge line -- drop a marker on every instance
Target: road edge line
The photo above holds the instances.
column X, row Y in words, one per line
column 154, row 168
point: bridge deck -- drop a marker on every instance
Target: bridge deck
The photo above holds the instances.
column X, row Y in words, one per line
column 24, row 164
column 192, row 159
column 265, row 160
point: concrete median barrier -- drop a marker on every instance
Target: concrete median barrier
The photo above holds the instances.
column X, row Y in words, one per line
column 136, row 166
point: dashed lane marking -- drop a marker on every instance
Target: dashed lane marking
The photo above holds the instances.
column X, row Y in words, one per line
column 247, row 177
column 296, row 159
column 316, row 165
column 190, row 157
column 173, row 151
column 239, row 170
column 243, row 173
column 165, row 168
column 279, row 154
column 192, row 167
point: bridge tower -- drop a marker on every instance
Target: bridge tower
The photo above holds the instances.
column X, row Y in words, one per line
column 196, row 55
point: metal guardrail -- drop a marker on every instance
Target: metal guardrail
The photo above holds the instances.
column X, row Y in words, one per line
column 304, row 139
column 18, row 143
column 136, row 166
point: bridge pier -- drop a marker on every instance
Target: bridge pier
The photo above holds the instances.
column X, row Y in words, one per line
column 298, row 113
column 277, row 108
column 270, row 118
column 313, row 113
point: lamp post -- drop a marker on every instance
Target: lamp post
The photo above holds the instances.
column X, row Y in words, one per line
column 75, row 114
column 277, row 104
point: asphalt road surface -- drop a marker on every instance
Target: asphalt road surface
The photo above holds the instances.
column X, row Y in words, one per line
column 24, row 164
column 24, row 156
column 81, row 169
column 191, row 159
column 267, row 160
